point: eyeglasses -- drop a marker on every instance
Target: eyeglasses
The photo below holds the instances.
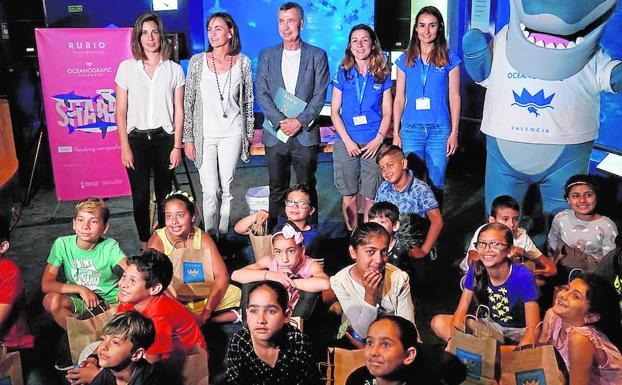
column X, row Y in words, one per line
column 301, row 204
column 480, row 245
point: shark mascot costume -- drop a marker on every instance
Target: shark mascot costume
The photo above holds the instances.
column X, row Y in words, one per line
column 543, row 78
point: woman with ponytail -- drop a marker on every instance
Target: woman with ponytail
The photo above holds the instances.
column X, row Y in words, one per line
column 508, row 290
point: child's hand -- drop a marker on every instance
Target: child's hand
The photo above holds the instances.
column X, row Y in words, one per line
column 261, row 217
column 89, row 361
column 90, row 299
column 517, row 253
column 417, row 252
column 280, row 277
column 82, row 375
column 371, row 281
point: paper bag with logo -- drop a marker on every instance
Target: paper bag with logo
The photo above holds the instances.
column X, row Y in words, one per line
column 532, row 365
column 193, row 274
column 340, row 364
column 260, row 240
column 82, row 332
column 10, row 367
column 478, row 353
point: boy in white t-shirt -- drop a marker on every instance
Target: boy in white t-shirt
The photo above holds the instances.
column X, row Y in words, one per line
column 506, row 210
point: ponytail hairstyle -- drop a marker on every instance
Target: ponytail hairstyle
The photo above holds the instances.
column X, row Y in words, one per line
column 439, row 56
column 480, row 274
column 362, row 233
column 604, row 301
column 377, row 62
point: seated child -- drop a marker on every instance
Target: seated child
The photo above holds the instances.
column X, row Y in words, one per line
column 289, row 266
column 387, row 215
column 393, row 355
column 584, row 326
column 370, row 286
column 15, row 333
column 415, row 201
column 223, row 301
column 14, row 330
column 506, row 210
column 298, row 209
column 121, row 353
column 92, row 265
column 268, row 350
column 581, row 227
column 507, row 289
column 142, row 287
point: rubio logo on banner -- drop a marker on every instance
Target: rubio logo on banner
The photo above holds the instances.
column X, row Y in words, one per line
column 78, row 67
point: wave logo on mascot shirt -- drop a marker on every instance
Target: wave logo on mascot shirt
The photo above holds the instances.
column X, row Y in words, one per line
column 532, row 103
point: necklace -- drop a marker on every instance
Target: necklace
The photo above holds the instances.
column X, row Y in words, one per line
column 221, row 93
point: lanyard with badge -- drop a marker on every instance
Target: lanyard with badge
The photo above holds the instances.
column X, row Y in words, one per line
column 360, row 119
column 423, row 103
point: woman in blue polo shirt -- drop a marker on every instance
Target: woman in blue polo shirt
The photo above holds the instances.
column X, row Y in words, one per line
column 361, row 112
column 428, row 75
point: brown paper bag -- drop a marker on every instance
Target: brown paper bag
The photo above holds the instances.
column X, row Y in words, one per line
column 82, row 332
column 187, row 367
column 531, row 365
column 478, row 353
column 10, row 367
column 574, row 258
column 195, row 370
column 261, row 241
column 480, row 327
column 341, row 363
column 193, row 274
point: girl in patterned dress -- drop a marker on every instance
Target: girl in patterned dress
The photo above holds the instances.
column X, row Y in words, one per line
column 581, row 229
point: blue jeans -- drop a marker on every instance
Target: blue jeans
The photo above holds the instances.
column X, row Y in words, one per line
column 429, row 143
column 503, row 179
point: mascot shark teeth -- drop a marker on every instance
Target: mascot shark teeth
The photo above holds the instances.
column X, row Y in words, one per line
column 544, row 75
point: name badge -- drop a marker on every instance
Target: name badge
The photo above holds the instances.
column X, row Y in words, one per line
column 359, row 120
column 422, row 103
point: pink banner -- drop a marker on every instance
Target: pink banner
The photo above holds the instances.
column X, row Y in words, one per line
column 78, row 66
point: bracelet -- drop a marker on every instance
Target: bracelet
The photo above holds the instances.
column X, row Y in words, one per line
column 265, row 275
column 177, row 148
column 381, row 134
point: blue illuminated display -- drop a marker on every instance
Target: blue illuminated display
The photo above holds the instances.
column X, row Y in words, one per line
column 327, row 23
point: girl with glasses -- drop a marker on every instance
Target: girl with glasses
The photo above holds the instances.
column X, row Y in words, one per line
column 508, row 290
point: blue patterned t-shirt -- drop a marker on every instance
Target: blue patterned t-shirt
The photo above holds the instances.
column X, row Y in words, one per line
column 414, row 203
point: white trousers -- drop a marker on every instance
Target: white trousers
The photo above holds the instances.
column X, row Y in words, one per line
column 220, row 157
